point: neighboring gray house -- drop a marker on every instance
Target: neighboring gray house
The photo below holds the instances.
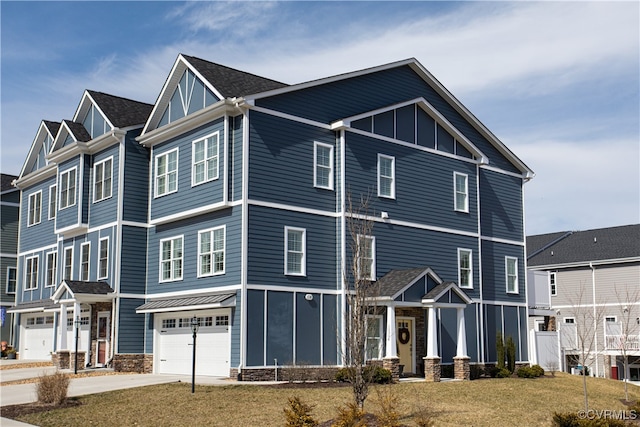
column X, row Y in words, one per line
column 598, row 271
column 9, row 213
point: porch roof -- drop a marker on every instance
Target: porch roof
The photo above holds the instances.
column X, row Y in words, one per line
column 188, row 303
column 395, row 282
column 84, row 291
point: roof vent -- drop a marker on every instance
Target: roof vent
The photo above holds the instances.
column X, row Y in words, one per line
column 595, row 240
column 551, row 253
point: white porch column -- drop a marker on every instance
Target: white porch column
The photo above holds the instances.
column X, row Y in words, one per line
column 62, row 327
column 461, row 350
column 432, row 333
column 391, row 347
column 76, row 315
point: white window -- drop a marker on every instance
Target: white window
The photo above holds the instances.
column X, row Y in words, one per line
column 511, row 270
column 103, row 258
column 552, row 284
column 68, row 263
column 35, row 208
column 168, row 323
column 205, row 159
column 171, row 259
column 610, row 319
column 211, row 248
column 167, row 173
column 12, row 274
column 569, row 320
column 222, row 320
column 465, row 270
column 366, row 257
column 461, row 190
column 323, row 165
column 103, row 173
column 294, row 250
column 85, row 250
column 373, row 348
column 31, row 273
column 67, row 188
column 52, row 261
column 386, row 176
column 53, row 197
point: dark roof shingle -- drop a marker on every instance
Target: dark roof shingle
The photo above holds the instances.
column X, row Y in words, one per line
column 395, row 280
column 95, row 288
column 52, row 126
column 78, row 130
column 5, row 182
column 122, row 112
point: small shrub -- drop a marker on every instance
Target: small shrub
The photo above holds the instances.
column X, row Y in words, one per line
column 511, row 354
column 423, row 417
column 475, row 371
column 298, row 414
column 387, row 405
column 349, row 416
column 492, row 371
column 343, row 375
column 571, row 419
column 500, row 350
column 503, row 373
column 52, row 389
column 537, row 370
column 526, row 372
column 447, row 371
column 371, row 374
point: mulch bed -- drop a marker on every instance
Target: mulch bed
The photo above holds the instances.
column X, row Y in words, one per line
column 15, row 411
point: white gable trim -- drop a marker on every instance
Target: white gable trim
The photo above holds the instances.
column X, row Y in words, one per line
column 85, row 105
column 41, row 135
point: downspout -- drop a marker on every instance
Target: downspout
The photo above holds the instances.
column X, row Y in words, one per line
column 595, row 319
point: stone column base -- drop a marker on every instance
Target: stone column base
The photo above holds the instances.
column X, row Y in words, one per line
column 392, row 364
column 461, row 369
column 432, row 369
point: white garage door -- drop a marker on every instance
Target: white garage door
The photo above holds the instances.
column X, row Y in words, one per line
column 174, row 341
column 83, row 334
column 36, row 337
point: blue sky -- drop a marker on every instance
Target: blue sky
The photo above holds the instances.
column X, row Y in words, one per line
column 558, row 82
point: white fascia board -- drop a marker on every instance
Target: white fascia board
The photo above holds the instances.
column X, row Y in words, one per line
column 35, row 147
column 91, row 147
column 35, row 177
column 582, row 264
column 85, row 104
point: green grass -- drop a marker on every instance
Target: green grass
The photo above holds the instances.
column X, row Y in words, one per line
column 485, row 402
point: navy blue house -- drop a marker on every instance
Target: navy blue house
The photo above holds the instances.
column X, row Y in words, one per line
column 228, row 202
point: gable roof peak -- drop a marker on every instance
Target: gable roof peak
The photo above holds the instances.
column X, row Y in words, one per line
column 121, row 112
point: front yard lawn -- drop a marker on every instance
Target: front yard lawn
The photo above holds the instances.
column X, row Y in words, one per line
column 484, row 402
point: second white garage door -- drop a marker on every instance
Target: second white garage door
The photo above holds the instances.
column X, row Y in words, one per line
column 36, row 340
column 174, row 343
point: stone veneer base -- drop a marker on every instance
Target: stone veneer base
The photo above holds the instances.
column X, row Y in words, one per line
column 140, row 363
column 461, row 368
column 432, row 369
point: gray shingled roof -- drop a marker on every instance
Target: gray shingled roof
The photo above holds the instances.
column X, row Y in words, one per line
column 5, row 182
column 230, row 82
column 52, row 126
column 46, row 304
column 584, row 246
column 395, row 280
column 122, row 112
column 184, row 302
column 78, row 130
column 94, row 288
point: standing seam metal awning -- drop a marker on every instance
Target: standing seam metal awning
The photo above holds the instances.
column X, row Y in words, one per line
column 190, row 303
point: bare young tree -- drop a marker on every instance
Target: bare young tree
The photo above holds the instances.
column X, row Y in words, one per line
column 361, row 294
column 628, row 338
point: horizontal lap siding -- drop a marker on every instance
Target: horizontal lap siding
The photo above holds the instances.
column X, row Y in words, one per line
column 266, row 248
column 188, row 197
column 41, row 292
column 136, row 176
column 424, row 183
column 189, row 229
column 105, row 211
column 4, row 264
column 368, row 92
column 494, row 282
column 501, row 211
column 85, row 191
column 621, row 280
column 9, row 220
column 133, row 260
column 235, row 158
column 37, row 235
column 574, row 287
column 131, row 331
column 69, row 216
column 93, row 238
column 281, row 162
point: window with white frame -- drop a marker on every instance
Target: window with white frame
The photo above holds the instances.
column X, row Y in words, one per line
column 465, row 270
column 511, row 271
column 103, row 173
column 68, row 263
column 386, row 176
column 373, row 348
column 295, row 249
column 570, row 320
column 211, row 248
column 171, row 259
column 85, row 250
column 52, row 261
column 67, row 188
column 31, row 273
column 12, row 279
column 53, row 197
column 366, row 257
column 323, row 165
column 166, row 173
column 206, row 154
column 103, row 258
column 552, row 284
column 461, row 190
column 35, row 208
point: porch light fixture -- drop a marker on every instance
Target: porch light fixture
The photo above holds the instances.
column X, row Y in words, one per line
column 195, row 324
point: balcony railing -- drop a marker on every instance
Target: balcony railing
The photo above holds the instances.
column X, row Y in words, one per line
column 619, row 342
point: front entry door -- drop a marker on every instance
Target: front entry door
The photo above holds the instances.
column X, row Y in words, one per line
column 102, row 344
column 405, row 338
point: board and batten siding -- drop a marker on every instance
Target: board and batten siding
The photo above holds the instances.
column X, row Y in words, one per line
column 106, row 210
column 131, row 326
column 37, row 235
column 501, row 209
column 281, row 165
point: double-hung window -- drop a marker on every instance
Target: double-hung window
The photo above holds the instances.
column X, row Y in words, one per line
column 52, row 261
column 171, row 259
column 103, row 173
column 386, row 176
column 294, row 249
column 85, row 250
column 552, row 284
column 511, row 270
column 366, row 257
column 53, row 196
column 211, row 247
column 166, row 173
column 68, row 188
column 206, row 154
column 461, row 190
column 323, row 165
column 68, row 263
column 373, row 348
column 12, row 279
column 465, row 270
column 35, row 208
column 103, row 258
column 31, row 273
